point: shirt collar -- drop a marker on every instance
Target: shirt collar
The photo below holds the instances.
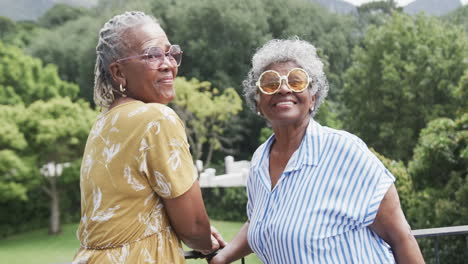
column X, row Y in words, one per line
column 308, row 152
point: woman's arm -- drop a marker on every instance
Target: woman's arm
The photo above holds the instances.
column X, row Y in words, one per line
column 390, row 224
column 188, row 217
column 236, row 249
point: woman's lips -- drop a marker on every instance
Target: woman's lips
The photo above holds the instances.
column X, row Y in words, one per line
column 167, row 80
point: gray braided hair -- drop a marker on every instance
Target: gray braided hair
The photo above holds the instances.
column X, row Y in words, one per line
column 111, row 46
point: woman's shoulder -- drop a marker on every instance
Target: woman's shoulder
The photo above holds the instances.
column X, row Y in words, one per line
column 342, row 138
column 139, row 111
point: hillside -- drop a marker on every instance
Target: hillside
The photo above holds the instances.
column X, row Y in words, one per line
column 337, row 6
column 432, row 7
column 32, row 9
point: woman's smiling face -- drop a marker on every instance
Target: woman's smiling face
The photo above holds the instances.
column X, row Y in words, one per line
column 142, row 82
column 285, row 107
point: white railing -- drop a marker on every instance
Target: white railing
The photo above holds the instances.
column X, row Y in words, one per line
column 236, row 174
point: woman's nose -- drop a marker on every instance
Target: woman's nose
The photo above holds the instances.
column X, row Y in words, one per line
column 165, row 64
column 284, row 88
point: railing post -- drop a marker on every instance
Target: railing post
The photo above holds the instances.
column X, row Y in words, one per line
column 466, row 239
column 436, row 249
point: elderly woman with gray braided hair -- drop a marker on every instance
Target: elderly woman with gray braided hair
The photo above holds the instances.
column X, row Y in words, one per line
column 139, row 193
column 315, row 194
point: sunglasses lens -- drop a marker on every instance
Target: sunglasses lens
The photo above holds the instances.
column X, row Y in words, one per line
column 269, row 82
column 298, row 80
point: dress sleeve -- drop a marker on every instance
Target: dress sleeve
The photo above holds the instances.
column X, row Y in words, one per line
column 167, row 162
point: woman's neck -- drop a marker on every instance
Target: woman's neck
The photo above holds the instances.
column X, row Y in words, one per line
column 119, row 101
column 288, row 138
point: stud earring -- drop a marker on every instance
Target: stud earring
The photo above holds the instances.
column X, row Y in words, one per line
column 259, row 114
column 122, row 90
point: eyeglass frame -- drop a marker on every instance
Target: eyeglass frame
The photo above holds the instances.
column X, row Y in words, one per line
column 146, row 54
column 283, row 77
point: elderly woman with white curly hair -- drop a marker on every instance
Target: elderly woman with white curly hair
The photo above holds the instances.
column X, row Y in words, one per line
column 315, row 194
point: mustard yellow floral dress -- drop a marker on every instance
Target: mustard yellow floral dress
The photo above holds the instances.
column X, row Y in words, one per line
column 135, row 155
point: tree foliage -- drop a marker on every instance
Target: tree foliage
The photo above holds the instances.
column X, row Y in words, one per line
column 75, row 56
column 59, row 14
column 207, row 113
column 56, row 132
column 15, row 172
column 24, row 79
column 439, row 170
column 405, row 74
column 441, row 153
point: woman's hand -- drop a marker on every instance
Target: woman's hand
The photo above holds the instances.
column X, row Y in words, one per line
column 218, row 259
column 235, row 250
column 217, row 242
column 215, row 233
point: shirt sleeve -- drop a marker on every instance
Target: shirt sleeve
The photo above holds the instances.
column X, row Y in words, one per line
column 167, row 163
column 376, row 180
column 249, row 206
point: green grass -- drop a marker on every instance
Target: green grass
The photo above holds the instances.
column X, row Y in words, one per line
column 37, row 247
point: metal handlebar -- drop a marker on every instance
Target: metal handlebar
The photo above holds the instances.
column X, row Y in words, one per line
column 196, row 255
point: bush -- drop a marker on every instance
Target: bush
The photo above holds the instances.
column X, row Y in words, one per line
column 228, row 204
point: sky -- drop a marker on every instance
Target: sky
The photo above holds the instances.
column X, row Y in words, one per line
column 400, row 2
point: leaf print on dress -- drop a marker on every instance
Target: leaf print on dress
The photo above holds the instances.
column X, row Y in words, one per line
column 134, row 183
column 152, row 220
column 139, row 110
column 103, row 215
column 82, row 257
column 156, row 125
column 143, row 165
column 174, row 158
column 147, row 256
column 87, row 164
column 149, row 198
column 169, row 114
column 84, row 231
column 163, row 185
column 113, row 121
column 110, row 152
column 97, row 128
column 118, row 255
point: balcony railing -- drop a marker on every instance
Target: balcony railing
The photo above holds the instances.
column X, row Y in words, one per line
column 441, row 231
column 419, row 233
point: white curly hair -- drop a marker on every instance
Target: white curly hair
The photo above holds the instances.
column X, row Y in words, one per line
column 295, row 50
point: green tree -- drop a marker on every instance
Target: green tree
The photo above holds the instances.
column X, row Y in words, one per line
column 24, row 79
column 56, row 132
column 405, row 74
column 439, row 169
column 207, row 113
column 7, row 28
column 15, row 175
column 218, row 37
column 459, row 17
column 59, row 14
column 441, row 153
column 75, row 56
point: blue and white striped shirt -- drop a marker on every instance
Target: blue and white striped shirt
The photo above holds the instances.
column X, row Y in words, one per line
column 321, row 208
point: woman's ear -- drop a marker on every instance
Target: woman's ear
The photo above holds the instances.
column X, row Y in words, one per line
column 117, row 75
column 312, row 103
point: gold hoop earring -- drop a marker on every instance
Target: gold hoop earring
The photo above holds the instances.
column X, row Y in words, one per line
column 122, row 90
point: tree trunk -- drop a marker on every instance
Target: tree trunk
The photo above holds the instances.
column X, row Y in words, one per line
column 54, row 227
